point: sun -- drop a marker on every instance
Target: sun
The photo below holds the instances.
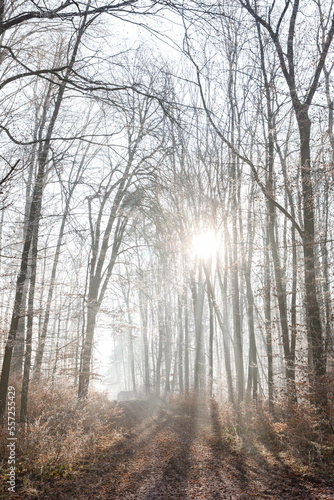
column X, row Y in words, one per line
column 204, row 245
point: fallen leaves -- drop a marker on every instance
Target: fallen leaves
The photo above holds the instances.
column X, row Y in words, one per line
column 174, row 455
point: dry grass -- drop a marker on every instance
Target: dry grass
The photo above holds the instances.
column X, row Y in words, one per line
column 295, row 433
column 60, row 435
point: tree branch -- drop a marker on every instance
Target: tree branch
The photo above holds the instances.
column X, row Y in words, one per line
column 237, row 153
column 59, row 13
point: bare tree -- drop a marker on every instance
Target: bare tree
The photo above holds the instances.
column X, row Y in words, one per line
column 34, row 217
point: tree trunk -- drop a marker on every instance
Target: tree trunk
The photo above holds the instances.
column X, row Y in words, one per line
column 160, row 348
column 180, row 349
column 211, row 336
column 225, row 339
column 143, row 306
column 186, row 343
column 198, row 316
column 252, row 366
column 27, row 357
column 167, row 345
column 84, row 376
column 312, row 305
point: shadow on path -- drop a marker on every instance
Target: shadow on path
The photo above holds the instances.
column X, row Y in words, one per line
column 173, row 479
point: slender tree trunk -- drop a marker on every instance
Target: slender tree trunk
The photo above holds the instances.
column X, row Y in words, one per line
column 56, row 356
column 326, row 286
column 267, row 315
column 253, row 370
column 312, row 305
column 18, row 351
column 292, row 360
column 76, row 361
column 144, row 318
column 131, row 353
column 160, row 348
column 238, row 344
column 239, row 363
column 211, row 337
column 180, row 349
column 27, row 357
column 198, row 316
column 153, row 357
column 186, row 343
column 84, row 376
column 168, row 345
column 225, row 338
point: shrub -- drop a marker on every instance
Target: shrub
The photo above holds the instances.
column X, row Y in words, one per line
column 59, row 434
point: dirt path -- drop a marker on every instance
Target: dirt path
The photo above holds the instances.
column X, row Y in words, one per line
column 172, row 455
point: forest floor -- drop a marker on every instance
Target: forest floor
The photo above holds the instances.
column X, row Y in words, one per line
column 175, row 452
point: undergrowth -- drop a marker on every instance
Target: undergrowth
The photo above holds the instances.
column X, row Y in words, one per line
column 59, row 436
column 295, row 434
